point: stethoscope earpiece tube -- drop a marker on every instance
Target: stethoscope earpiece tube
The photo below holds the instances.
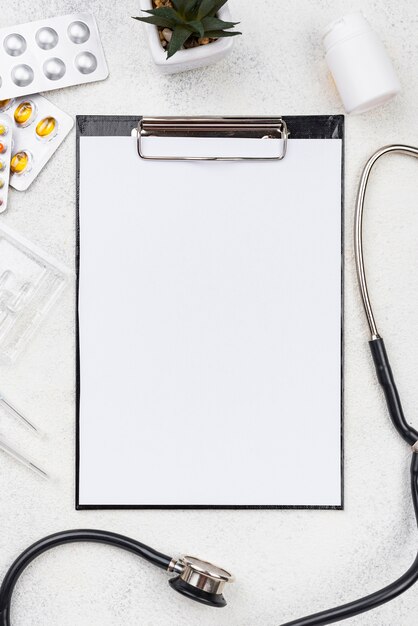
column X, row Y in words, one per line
column 377, row 346
column 387, row 381
column 358, row 226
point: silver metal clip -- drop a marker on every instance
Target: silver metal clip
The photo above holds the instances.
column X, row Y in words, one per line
column 255, row 127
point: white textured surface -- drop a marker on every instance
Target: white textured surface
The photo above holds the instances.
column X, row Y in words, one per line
column 287, row 563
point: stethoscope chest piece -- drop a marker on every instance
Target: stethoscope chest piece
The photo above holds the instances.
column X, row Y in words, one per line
column 200, row 580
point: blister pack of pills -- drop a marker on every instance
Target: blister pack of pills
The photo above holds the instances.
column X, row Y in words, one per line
column 50, row 54
column 39, row 127
column 30, row 283
column 6, row 139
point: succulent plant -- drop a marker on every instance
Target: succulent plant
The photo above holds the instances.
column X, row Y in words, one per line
column 190, row 18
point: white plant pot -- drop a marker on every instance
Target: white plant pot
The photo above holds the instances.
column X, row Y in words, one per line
column 190, row 58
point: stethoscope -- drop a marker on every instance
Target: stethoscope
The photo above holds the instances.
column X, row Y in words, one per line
column 204, row 582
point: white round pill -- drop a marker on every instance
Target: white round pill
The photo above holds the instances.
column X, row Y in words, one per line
column 22, row 75
column 78, row 32
column 14, row 44
column 86, row 62
column 54, row 68
column 46, row 38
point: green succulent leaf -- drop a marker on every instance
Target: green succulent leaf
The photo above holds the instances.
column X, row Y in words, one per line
column 188, row 12
column 187, row 18
column 167, row 13
column 179, row 5
column 196, row 27
column 214, row 23
column 157, row 21
column 218, row 4
column 216, row 34
column 180, row 36
column 191, row 7
column 210, row 7
column 204, row 8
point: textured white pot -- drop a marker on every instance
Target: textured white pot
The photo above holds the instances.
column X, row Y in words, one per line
column 191, row 58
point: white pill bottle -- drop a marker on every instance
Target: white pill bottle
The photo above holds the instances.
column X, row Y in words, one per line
column 359, row 63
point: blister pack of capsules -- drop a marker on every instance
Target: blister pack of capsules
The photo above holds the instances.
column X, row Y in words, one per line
column 6, row 143
column 50, row 54
column 39, row 127
column 30, row 283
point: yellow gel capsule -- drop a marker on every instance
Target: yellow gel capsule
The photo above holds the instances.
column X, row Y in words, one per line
column 5, row 103
column 46, row 127
column 1, row 183
column 19, row 162
column 3, row 129
column 2, row 165
column 23, row 113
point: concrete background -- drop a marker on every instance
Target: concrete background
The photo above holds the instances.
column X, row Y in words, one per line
column 287, row 563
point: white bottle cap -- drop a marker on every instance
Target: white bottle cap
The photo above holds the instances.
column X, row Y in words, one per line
column 345, row 28
column 359, row 63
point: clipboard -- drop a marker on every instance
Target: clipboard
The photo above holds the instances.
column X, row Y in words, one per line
column 209, row 312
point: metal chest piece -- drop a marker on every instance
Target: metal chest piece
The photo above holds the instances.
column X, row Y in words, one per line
column 200, row 580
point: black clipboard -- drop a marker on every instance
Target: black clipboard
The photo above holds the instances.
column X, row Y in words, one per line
column 300, row 127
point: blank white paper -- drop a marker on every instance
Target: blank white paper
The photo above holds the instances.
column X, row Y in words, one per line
column 210, row 325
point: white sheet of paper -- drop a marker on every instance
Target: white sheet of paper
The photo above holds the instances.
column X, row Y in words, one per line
column 210, row 325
